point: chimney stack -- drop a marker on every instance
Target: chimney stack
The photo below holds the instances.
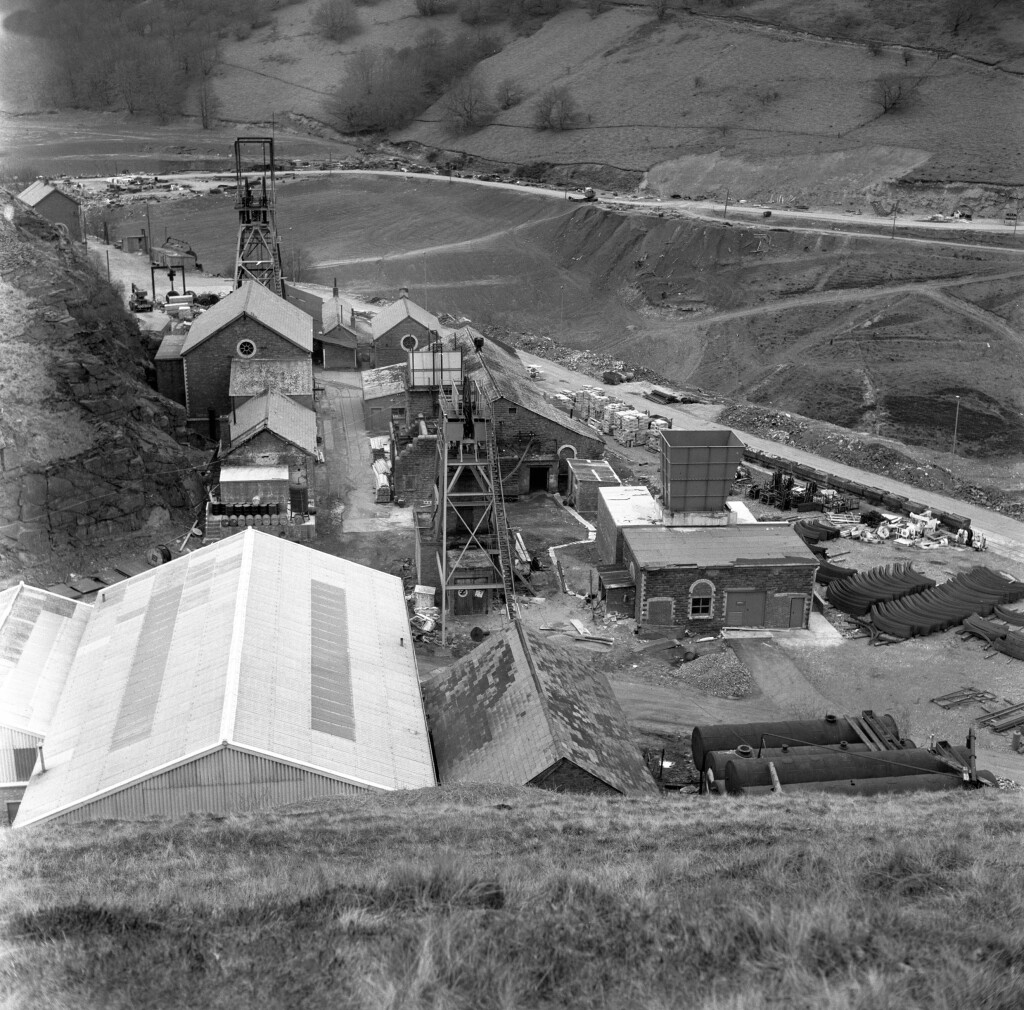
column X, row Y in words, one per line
column 335, row 287
column 403, row 292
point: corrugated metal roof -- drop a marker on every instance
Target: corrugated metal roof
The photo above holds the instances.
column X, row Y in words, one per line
column 387, row 381
column 170, row 346
column 229, row 632
column 261, row 304
column 593, row 469
column 231, row 474
column 401, row 309
column 272, row 411
column 39, row 633
column 250, row 376
column 39, row 191
column 518, row 704
column 500, row 373
column 630, row 503
column 703, row 546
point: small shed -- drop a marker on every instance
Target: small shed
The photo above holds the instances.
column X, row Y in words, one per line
column 56, row 206
column 617, row 588
column 520, row 710
column 175, row 252
column 170, row 367
column 586, row 476
column 384, row 398
column 338, row 348
column 619, row 508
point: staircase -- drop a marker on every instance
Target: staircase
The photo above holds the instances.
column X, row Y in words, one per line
column 501, row 525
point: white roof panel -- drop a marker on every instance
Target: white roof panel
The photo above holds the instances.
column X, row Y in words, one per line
column 39, row 633
column 219, row 645
column 231, row 474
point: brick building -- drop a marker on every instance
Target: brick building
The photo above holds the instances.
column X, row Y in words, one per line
column 250, row 323
column 56, row 206
column 385, row 398
column 709, row 578
column 519, row 710
column 399, row 328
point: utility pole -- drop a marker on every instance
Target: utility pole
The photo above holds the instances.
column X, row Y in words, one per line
column 149, row 230
column 725, row 213
column 956, row 424
column 895, row 208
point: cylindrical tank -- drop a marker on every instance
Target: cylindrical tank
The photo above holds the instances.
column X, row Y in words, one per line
column 868, row 787
column 830, row 730
column 716, row 760
column 742, row 773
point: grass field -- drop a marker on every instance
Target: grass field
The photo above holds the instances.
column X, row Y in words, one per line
column 505, row 897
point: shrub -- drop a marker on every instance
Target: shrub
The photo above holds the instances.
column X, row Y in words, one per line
column 509, row 93
column 556, row 109
column 428, row 8
column 336, row 20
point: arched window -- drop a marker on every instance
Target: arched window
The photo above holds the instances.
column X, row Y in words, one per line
column 702, row 599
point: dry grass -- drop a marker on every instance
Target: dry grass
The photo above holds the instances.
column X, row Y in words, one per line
column 507, row 897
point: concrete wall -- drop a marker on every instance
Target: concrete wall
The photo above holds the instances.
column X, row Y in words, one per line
column 208, row 366
column 388, row 350
column 780, row 585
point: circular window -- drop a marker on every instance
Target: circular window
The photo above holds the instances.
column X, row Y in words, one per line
column 409, row 342
column 245, row 348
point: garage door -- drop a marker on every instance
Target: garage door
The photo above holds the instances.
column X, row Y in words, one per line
column 745, row 610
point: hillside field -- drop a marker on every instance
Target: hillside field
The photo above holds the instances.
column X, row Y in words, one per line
column 501, row 897
column 862, row 331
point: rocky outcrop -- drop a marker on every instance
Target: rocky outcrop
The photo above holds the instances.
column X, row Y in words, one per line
column 87, row 448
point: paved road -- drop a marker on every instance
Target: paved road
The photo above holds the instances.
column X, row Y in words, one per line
column 1005, row 535
column 346, row 471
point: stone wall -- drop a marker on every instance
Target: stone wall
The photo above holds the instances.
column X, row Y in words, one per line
column 208, row 366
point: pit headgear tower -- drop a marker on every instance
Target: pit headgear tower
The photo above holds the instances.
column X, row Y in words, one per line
column 258, row 252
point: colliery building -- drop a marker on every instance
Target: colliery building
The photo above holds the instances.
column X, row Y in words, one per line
column 56, row 206
column 519, row 710
column 247, row 674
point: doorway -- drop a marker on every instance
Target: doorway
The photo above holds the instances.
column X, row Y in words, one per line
column 745, row 610
column 538, row 478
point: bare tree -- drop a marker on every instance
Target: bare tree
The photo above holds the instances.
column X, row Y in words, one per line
column 428, row 8
column 893, row 92
column 336, row 20
column 467, row 106
column 659, row 8
column 296, row 262
column 959, row 14
column 556, row 109
column 207, row 58
column 508, row 93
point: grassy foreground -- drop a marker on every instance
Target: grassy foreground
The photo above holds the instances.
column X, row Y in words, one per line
column 516, row 898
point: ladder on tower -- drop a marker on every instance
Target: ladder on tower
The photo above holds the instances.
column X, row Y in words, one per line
column 505, row 561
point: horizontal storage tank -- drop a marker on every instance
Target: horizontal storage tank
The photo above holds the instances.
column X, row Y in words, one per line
column 716, row 760
column 828, row 730
column 698, row 468
column 742, row 773
column 868, row 787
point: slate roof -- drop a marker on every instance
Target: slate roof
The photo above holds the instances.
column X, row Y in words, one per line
column 39, row 633
column 272, row 411
column 746, row 545
column 398, row 311
column 500, row 374
column 249, row 376
column 387, row 381
column 254, row 642
column 517, row 704
column 38, row 191
column 259, row 303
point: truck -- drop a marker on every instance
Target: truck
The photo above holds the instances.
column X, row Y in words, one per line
column 585, row 195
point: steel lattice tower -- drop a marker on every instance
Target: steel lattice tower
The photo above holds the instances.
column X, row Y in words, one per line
column 258, row 252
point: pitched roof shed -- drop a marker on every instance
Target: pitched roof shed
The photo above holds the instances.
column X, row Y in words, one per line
column 518, row 706
column 272, row 411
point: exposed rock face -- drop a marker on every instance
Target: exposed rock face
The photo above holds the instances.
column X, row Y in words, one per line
column 86, row 446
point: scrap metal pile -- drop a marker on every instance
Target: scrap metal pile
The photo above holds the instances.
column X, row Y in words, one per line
column 862, row 755
column 858, row 593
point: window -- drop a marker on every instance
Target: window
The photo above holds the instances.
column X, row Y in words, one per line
column 702, row 599
column 398, row 413
column 245, row 348
column 513, row 410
